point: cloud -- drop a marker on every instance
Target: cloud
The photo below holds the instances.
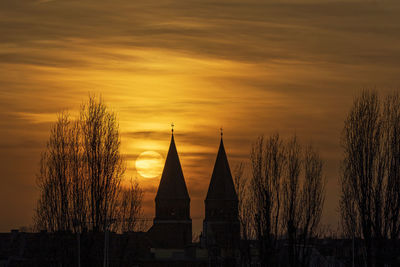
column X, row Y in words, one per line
column 252, row 32
column 253, row 67
column 37, row 117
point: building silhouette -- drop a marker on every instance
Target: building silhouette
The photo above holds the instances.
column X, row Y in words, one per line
column 221, row 228
column 172, row 227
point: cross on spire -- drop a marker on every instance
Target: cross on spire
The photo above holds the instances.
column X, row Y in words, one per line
column 222, row 131
column 172, row 127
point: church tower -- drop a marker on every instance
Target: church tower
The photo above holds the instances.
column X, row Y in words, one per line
column 172, row 227
column 221, row 228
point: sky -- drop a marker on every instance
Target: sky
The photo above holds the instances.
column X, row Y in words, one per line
column 252, row 67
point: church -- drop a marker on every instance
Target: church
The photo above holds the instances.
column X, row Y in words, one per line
column 171, row 232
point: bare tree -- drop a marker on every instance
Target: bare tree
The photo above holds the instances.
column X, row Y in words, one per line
column 245, row 213
column 267, row 163
column 312, row 202
column 391, row 187
column 291, row 199
column 287, row 195
column 80, row 176
column 53, row 179
column 370, row 199
column 131, row 207
column 77, row 183
column 244, row 209
column 103, row 163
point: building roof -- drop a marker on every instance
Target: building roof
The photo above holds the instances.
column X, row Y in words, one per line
column 172, row 184
column 221, row 184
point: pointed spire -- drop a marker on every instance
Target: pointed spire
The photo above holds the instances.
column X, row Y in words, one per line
column 172, row 183
column 221, row 184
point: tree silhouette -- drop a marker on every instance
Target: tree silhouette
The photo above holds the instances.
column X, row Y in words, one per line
column 303, row 200
column 370, row 178
column 286, row 195
column 80, row 176
column 244, row 213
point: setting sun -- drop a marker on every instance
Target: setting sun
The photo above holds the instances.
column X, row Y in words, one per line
column 149, row 164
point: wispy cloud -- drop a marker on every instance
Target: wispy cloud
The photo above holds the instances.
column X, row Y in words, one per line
column 37, row 117
column 252, row 67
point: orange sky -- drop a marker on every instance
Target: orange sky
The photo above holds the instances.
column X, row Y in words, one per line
column 253, row 67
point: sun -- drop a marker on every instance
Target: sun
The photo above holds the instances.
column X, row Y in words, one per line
column 149, row 164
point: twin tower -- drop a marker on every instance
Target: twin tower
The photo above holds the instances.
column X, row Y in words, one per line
column 172, row 227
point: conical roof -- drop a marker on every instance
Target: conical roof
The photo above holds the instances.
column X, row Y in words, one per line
column 221, row 184
column 172, row 184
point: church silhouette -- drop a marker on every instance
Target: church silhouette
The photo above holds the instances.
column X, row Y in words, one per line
column 172, row 225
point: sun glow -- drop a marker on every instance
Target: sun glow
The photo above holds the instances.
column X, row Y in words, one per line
column 149, row 164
